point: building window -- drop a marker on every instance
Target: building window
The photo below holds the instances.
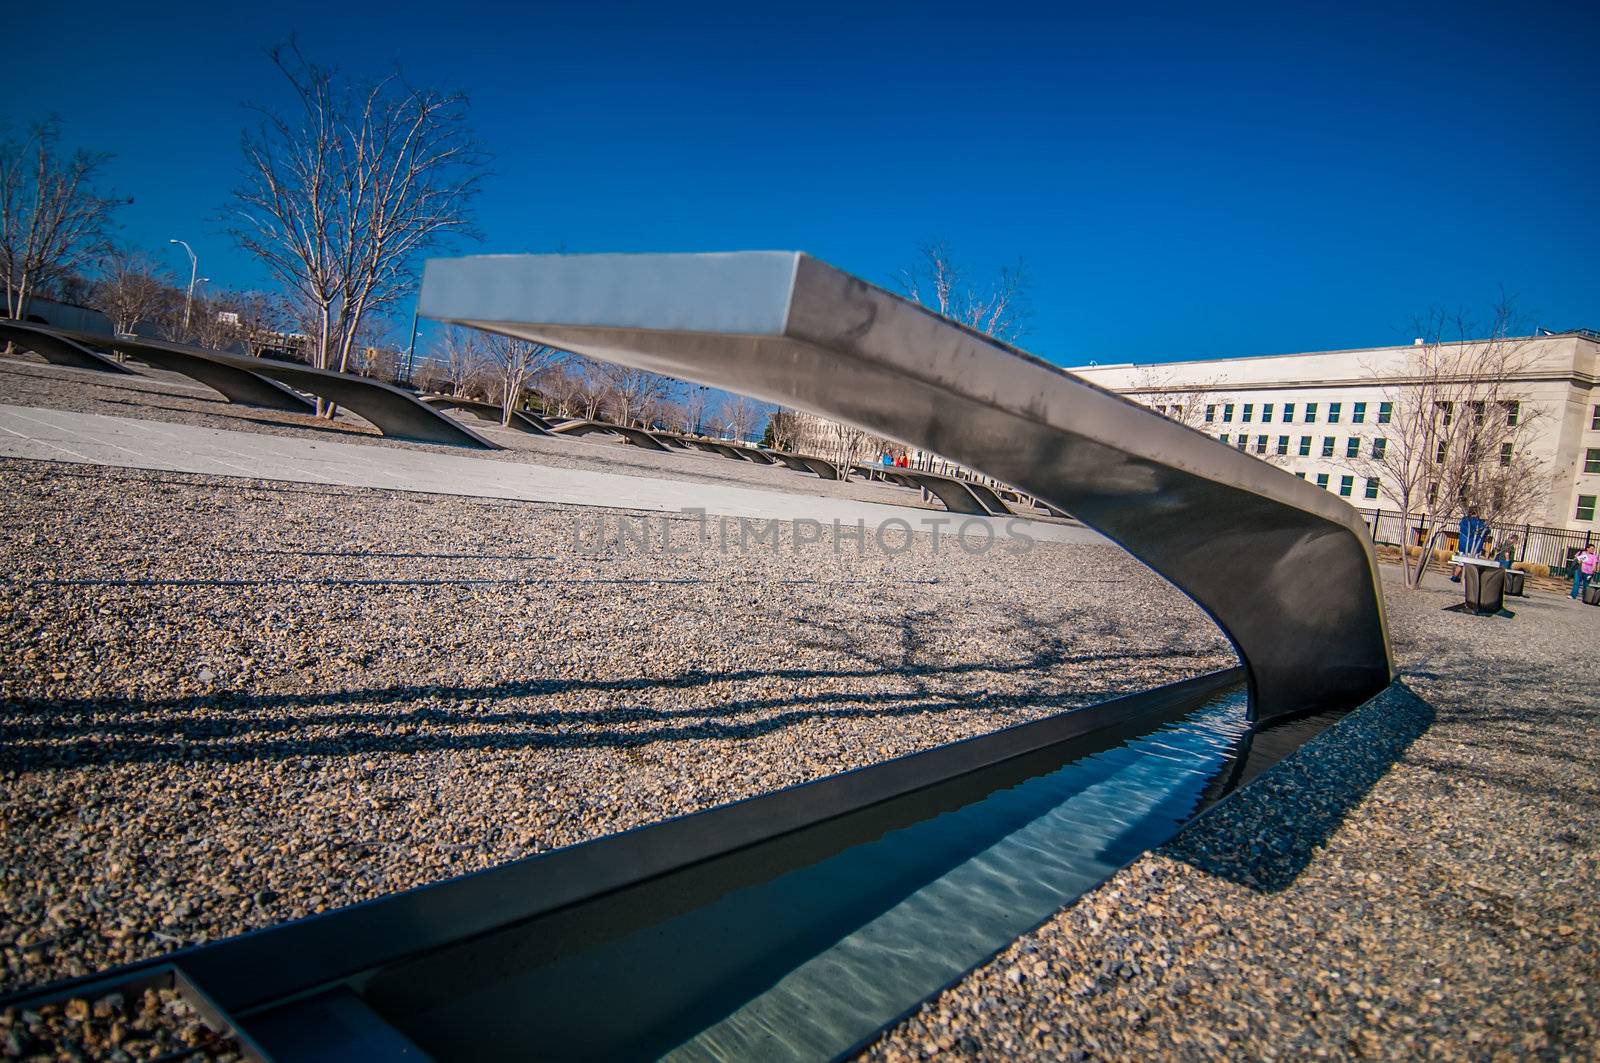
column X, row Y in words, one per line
column 1334, row 409
column 1433, row 492
column 1311, row 413
column 1585, row 507
column 1505, row 454
column 1352, row 447
column 1211, row 414
column 1594, row 422
column 1358, row 413
column 1438, row 453
column 1591, row 459
column 1283, row 444
column 1177, row 413
column 1513, row 412
column 1372, row 487
column 1301, row 475
column 1305, row 446
column 1478, row 413
column 1261, row 444
column 1288, row 412
column 1224, row 438
column 1385, row 412
column 1266, row 413
column 1322, row 479
column 1249, row 412
column 1227, row 412
column 1379, row 445
column 1243, row 440
column 1346, row 483
column 1445, row 411
column 1327, row 446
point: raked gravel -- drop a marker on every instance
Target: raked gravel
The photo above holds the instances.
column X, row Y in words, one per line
column 229, row 703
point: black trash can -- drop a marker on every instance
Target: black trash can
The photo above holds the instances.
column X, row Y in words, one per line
column 1485, row 588
column 1516, row 583
column 1591, row 594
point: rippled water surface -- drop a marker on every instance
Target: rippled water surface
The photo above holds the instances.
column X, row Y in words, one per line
column 805, row 948
column 1050, row 839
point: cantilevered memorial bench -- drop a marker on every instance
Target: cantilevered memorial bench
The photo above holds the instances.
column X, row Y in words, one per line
column 393, row 412
column 232, row 383
column 521, row 421
column 717, row 447
column 1233, row 532
column 958, row 496
column 57, row 349
column 637, row 437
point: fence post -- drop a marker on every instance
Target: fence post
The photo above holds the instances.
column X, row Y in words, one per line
column 1527, row 530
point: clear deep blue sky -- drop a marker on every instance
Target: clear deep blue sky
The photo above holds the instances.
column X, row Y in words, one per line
column 1182, row 182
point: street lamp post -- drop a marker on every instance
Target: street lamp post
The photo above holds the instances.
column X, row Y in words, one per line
column 411, row 348
column 194, row 270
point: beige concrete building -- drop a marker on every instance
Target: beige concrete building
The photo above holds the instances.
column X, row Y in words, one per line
column 1314, row 413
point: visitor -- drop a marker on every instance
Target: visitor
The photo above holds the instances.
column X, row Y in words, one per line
column 1507, row 552
column 1583, row 567
column 1470, row 536
column 887, row 459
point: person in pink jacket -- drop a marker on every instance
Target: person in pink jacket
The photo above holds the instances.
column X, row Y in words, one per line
column 1583, row 568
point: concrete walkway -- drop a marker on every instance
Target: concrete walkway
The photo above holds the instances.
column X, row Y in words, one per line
column 94, row 439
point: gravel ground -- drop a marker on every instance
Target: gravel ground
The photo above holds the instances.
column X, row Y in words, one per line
column 156, row 1025
column 229, row 703
column 156, row 395
column 1422, row 880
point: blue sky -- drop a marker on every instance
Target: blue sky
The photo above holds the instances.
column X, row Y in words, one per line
column 1183, row 182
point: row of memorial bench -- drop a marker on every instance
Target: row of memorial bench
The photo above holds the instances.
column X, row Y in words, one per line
column 394, row 412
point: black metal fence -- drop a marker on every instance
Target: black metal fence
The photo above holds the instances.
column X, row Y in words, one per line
column 1534, row 543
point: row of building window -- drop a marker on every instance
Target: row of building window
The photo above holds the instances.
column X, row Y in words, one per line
column 1308, row 412
column 1352, row 448
column 1358, row 412
column 1347, row 484
column 1594, row 420
column 1352, row 445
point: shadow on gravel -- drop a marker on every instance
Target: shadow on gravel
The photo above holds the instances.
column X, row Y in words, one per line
column 1264, row 835
column 230, row 725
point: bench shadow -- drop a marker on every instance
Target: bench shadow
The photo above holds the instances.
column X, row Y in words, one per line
column 1265, row 834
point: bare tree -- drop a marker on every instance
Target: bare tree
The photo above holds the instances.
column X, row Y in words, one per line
column 131, row 290
column 1184, row 403
column 460, row 354
column 213, row 325
column 52, row 222
column 673, row 415
column 517, row 363
column 1459, row 432
column 786, row 430
column 631, row 392
column 342, row 198
column 841, row 445
column 262, row 319
column 696, row 401
column 739, row 416
column 998, row 307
